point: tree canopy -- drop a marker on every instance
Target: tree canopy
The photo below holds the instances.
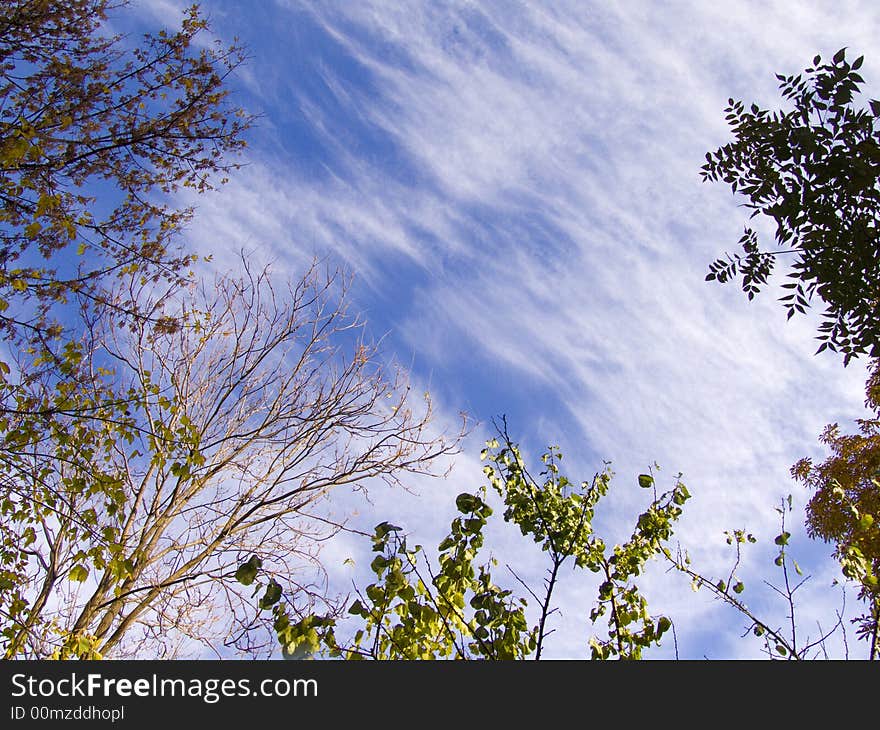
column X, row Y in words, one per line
column 458, row 611
column 96, row 133
column 82, row 111
column 813, row 170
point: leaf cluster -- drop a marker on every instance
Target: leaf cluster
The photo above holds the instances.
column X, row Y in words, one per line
column 813, row 170
column 81, row 111
column 459, row 612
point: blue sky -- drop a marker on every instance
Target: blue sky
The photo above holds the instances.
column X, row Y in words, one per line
column 515, row 187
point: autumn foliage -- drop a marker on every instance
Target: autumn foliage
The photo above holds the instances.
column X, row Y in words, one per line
column 846, row 500
column 82, row 111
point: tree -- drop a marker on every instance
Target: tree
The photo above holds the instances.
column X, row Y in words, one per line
column 210, row 440
column 457, row 611
column 845, row 506
column 81, row 111
column 812, row 170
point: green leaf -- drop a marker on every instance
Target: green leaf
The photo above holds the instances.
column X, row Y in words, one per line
column 383, row 528
column 646, row 481
column 78, row 573
column 247, row 572
column 783, row 538
column 271, row 596
column 357, row 608
column 466, row 503
column 738, row 587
